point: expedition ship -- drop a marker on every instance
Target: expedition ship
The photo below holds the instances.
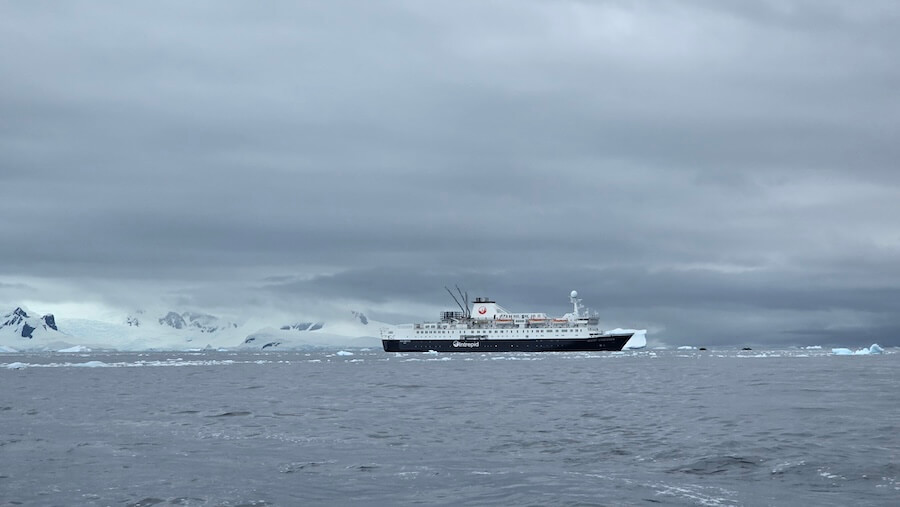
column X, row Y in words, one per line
column 488, row 327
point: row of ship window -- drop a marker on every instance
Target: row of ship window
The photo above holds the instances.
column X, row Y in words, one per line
column 500, row 331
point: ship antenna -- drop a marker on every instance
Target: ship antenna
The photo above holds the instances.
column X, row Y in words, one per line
column 456, row 300
column 466, row 300
column 576, row 304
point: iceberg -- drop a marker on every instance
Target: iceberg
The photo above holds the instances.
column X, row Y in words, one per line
column 637, row 341
column 77, row 348
column 865, row 351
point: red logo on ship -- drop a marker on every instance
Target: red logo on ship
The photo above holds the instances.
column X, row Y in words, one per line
column 482, row 310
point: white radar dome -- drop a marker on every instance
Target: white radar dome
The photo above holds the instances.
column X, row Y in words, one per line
column 574, row 294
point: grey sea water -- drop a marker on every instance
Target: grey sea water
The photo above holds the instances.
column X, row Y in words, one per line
column 713, row 428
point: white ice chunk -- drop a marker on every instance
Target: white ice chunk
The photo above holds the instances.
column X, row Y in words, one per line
column 686, row 347
column 16, row 366
column 77, row 348
column 343, row 353
column 638, row 338
column 92, row 364
column 865, row 351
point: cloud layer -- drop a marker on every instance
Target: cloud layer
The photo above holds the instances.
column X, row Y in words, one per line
column 716, row 173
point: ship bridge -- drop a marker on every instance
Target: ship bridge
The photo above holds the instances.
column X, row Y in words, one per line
column 484, row 309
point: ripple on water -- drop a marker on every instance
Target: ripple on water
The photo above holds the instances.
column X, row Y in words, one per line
column 231, row 414
column 711, row 465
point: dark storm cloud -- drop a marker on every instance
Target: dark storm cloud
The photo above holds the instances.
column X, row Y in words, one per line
column 686, row 166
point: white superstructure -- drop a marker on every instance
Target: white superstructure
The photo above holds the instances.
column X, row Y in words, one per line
column 487, row 320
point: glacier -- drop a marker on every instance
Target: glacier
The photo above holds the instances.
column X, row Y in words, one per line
column 22, row 331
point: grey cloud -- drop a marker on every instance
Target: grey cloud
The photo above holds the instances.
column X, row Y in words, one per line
column 380, row 151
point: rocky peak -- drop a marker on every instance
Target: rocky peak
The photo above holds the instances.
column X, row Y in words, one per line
column 303, row 326
column 134, row 319
column 361, row 317
column 202, row 322
column 172, row 319
column 206, row 323
column 50, row 321
column 23, row 324
column 15, row 318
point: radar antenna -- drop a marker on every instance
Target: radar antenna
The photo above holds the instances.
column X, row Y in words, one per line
column 576, row 304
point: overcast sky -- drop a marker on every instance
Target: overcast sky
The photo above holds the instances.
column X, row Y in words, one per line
column 716, row 172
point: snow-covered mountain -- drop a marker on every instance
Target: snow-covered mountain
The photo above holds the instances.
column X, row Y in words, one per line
column 24, row 324
column 184, row 330
column 303, row 326
column 22, row 329
column 203, row 322
column 361, row 316
column 355, row 331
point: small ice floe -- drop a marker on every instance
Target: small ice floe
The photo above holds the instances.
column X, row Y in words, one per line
column 92, row 364
column 432, row 352
column 782, row 468
column 686, row 347
column 16, row 366
column 343, row 353
column 76, row 348
column 865, row 351
column 823, row 472
column 813, row 347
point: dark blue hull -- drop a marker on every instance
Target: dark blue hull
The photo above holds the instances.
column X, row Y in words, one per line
column 598, row 343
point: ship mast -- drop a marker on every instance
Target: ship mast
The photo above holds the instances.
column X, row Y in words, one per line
column 466, row 300
column 576, row 304
column 456, row 300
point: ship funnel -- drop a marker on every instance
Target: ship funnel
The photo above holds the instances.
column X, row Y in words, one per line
column 485, row 309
